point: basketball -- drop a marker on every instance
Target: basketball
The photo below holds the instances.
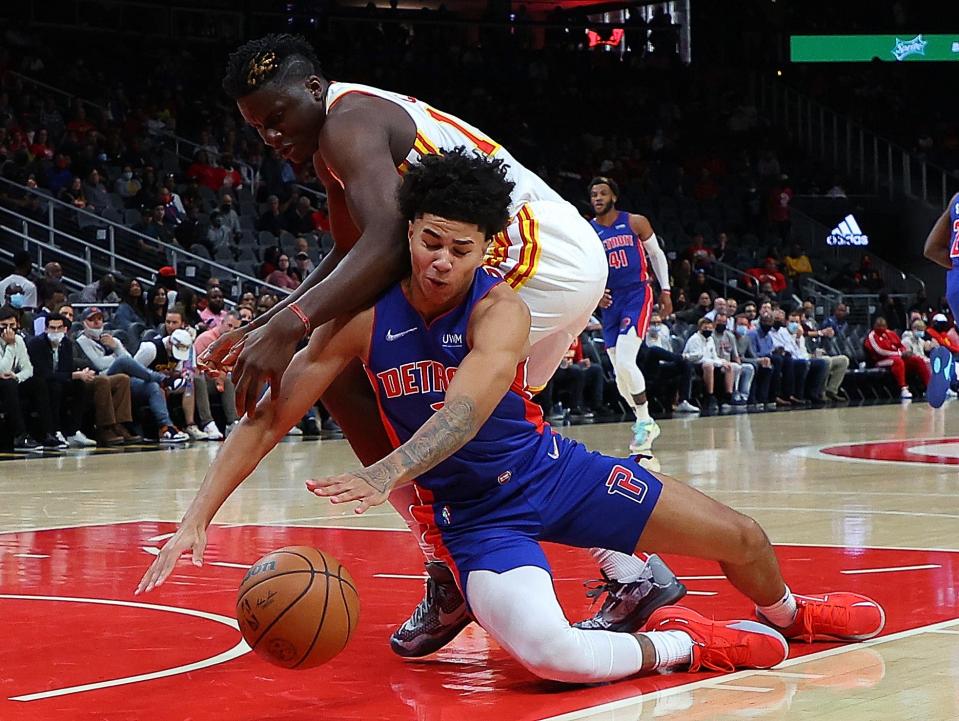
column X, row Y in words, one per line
column 297, row 607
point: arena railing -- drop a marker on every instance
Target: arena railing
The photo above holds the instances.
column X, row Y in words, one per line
column 850, row 147
column 54, row 89
column 87, row 218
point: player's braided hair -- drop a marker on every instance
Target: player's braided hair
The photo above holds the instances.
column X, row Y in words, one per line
column 468, row 187
column 272, row 58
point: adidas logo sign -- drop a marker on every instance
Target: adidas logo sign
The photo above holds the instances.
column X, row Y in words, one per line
column 847, row 232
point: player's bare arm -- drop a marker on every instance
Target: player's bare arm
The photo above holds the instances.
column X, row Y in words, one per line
column 641, row 226
column 356, row 148
column 937, row 243
column 313, row 370
column 498, row 338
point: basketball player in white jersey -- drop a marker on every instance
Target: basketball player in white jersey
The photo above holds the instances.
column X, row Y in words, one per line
column 361, row 140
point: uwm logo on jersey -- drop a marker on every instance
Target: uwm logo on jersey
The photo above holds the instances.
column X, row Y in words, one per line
column 426, row 376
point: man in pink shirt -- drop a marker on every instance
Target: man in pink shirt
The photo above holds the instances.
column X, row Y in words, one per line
column 220, row 383
column 215, row 309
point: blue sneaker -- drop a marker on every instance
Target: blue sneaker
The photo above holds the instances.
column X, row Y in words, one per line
column 644, row 433
column 942, row 376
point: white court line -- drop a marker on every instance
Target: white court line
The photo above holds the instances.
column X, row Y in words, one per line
column 712, row 682
column 701, row 578
column 892, row 568
column 751, row 689
column 225, row 564
column 796, row 674
column 161, row 537
column 816, row 453
column 238, row 650
column 77, row 525
column 848, row 511
column 31, row 555
column 943, row 630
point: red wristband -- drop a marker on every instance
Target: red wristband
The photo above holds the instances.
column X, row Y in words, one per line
column 302, row 316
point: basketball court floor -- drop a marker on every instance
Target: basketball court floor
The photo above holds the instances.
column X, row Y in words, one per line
column 861, row 499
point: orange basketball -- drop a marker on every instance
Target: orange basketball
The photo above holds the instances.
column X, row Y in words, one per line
column 297, row 607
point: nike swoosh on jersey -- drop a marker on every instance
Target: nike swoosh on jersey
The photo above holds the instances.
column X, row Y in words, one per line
column 554, row 454
column 391, row 336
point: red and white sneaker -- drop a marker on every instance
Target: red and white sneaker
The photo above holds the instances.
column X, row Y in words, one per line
column 835, row 616
column 723, row 645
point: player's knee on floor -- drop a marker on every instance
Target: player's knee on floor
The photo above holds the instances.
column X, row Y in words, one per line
column 750, row 538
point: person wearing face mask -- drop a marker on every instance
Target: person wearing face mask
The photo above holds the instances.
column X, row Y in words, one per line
column 231, row 221
column 661, row 365
column 127, row 186
column 763, row 347
column 725, row 341
column 795, row 368
column 108, row 356
column 885, row 350
column 15, row 370
column 62, row 399
column 758, row 394
column 701, row 351
column 822, row 343
column 218, row 235
column 21, row 277
column 814, row 388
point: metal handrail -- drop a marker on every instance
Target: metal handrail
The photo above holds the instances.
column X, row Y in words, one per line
column 66, row 281
column 175, row 251
column 49, row 246
column 52, row 88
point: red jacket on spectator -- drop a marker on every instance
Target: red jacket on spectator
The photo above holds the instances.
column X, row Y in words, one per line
column 882, row 345
column 206, row 175
column 943, row 339
column 764, row 274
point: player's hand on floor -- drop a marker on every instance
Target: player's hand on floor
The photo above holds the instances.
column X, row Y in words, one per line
column 351, row 487
column 187, row 539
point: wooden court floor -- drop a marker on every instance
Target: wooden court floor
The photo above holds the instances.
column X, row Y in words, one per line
column 855, row 498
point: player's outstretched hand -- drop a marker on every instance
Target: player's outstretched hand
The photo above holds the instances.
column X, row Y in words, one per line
column 265, row 354
column 606, row 300
column 188, row 538
column 346, row 487
column 215, row 356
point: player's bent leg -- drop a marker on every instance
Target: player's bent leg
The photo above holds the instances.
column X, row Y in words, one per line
column 518, row 608
column 714, row 531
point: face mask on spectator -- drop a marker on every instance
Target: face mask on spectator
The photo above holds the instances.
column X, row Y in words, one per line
column 720, row 327
column 742, row 329
column 94, row 333
column 706, row 333
column 793, row 327
column 16, row 300
column 57, row 337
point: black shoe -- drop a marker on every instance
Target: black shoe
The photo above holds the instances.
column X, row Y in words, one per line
column 53, row 443
column 438, row 618
column 628, row 605
column 310, row 428
column 331, row 426
column 582, row 414
column 712, row 407
column 25, row 443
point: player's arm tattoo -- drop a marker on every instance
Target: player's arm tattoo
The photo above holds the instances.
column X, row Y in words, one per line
column 442, row 435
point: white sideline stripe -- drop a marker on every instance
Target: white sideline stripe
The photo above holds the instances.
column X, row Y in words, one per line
column 411, row 576
column 848, row 511
column 161, row 537
column 943, row 630
column 750, row 689
column 239, row 649
column 225, row 564
column 31, row 555
column 711, row 682
column 794, row 674
column 92, row 524
column 893, row 568
column 702, row 593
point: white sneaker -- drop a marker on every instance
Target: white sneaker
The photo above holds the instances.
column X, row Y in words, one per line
column 950, row 394
column 172, row 434
column 905, row 394
column 78, row 440
column 59, row 436
column 195, row 433
column 686, row 407
column 295, row 431
column 212, row 432
column 644, row 433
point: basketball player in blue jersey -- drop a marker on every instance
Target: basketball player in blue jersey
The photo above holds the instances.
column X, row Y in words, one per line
column 942, row 247
column 447, row 350
column 627, row 239
column 361, row 140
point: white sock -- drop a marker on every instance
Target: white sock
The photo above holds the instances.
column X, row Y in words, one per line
column 783, row 612
column 641, row 410
column 673, row 648
column 618, row 566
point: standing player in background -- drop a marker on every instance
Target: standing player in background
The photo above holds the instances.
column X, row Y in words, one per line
column 942, row 247
column 362, row 141
column 626, row 320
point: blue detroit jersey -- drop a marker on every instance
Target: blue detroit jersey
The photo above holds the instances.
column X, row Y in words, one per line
column 952, row 276
column 411, row 363
column 624, row 253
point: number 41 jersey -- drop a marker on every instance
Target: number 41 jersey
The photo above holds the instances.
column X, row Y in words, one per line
column 625, row 254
